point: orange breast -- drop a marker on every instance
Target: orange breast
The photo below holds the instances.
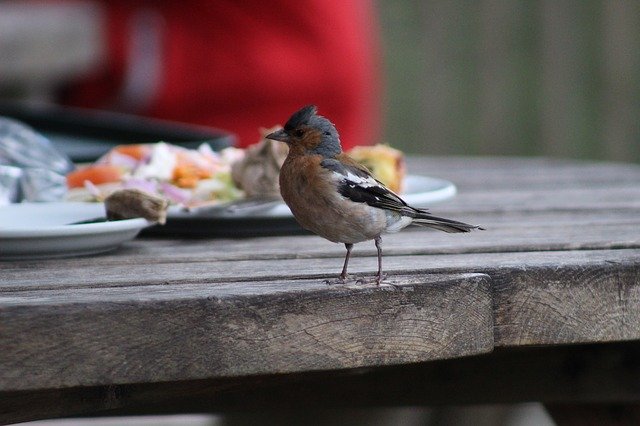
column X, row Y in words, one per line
column 311, row 193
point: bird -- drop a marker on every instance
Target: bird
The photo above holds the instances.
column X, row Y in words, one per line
column 337, row 198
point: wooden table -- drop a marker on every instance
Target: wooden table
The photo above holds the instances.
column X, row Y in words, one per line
column 543, row 305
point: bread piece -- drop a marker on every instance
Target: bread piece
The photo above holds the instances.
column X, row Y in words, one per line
column 385, row 163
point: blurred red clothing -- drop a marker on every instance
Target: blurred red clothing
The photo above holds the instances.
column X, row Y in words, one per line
column 240, row 65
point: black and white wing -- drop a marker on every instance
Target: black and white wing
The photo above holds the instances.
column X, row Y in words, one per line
column 357, row 184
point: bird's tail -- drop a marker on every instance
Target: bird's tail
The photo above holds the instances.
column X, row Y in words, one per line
column 422, row 218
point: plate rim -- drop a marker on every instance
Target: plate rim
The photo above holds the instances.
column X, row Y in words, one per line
column 75, row 230
column 64, row 230
column 281, row 211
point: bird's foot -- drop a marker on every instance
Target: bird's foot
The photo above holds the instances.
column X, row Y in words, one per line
column 380, row 278
column 340, row 280
column 376, row 279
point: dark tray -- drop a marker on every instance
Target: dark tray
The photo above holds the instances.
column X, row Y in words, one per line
column 200, row 225
column 84, row 135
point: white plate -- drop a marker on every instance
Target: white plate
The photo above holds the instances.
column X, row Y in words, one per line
column 43, row 230
column 253, row 218
column 46, row 230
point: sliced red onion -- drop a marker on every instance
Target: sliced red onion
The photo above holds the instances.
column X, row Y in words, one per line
column 92, row 189
column 141, row 184
column 122, row 160
column 175, row 194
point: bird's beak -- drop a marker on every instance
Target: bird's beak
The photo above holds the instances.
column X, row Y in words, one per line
column 279, row 135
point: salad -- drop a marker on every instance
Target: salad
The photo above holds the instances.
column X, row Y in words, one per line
column 197, row 177
column 185, row 177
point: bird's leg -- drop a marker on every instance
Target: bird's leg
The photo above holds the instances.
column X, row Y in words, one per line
column 343, row 275
column 378, row 241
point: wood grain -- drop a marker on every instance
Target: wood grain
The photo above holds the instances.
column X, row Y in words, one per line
column 582, row 303
column 226, row 331
column 210, row 272
column 558, row 265
column 529, row 232
column 487, row 173
column 560, row 374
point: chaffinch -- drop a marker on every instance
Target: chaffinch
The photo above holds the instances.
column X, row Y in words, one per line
column 335, row 197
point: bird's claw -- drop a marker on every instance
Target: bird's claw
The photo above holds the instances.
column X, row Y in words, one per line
column 339, row 280
column 377, row 279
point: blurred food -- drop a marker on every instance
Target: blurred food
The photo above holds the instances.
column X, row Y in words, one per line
column 185, row 177
column 386, row 164
column 133, row 203
column 97, row 174
column 257, row 173
column 197, row 177
column 30, row 167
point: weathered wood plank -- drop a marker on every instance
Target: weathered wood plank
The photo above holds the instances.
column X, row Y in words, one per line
column 540, row 298
column 561, row 265
column 575, row 199
column 207, row 332
column 552, row 232
column 489, row 173
column 209, row 273
column 583, row 303
column 574, row 373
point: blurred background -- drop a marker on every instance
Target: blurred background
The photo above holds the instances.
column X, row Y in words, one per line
column 513, row 77
column 487, row 77
column 444, row 77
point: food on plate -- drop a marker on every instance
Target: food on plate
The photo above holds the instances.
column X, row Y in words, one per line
column 132, row 203
column 385, row 163
column 257, row 172
column 138, row 151
column 186, row 177
column 97, row 174
column 198, row 177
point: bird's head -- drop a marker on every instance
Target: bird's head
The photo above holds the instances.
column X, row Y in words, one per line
column 309, row 133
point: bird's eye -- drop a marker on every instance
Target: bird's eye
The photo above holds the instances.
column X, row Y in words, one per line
column 327, row 133
column 299, row 133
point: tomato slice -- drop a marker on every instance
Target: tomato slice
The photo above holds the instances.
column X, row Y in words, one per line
column 137, row 151
column 96, row 174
